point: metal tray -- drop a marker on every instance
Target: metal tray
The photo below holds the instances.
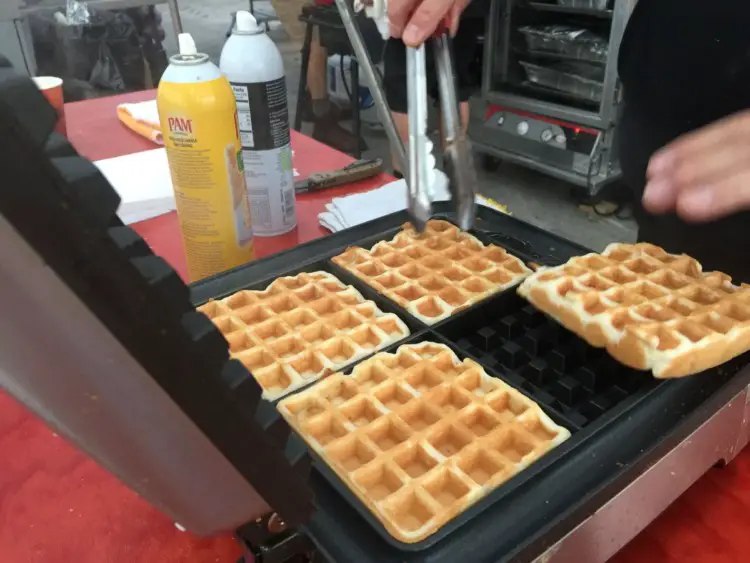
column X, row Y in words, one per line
column 566, row 77
column 574, row 7
column 580, row 387
column 599, row 5
column 568, row 42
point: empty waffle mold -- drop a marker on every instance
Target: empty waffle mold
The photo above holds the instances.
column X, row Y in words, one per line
column 420, row 436
column 554, row 366
column 434, row 274
column 650, row 309
column 300, row 329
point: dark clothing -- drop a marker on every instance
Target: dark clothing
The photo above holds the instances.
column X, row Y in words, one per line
column 477, row 9
column 465, row 50
column 684, row 64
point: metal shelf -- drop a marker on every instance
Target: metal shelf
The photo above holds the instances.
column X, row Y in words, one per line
column 593, row 184
column 98, row 4
column 47, row 6
column 16, row 11
column 552, row 109
column 572, row 99
column 553, row 56
column 542, row 6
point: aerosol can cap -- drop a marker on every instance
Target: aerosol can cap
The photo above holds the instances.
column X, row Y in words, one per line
column 247, row 24
column 187, row 44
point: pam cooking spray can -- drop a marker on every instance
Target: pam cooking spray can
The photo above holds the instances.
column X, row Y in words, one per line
column 254, row 67
column 199, row 123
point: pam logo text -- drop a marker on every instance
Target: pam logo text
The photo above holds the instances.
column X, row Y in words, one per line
column 180, row 125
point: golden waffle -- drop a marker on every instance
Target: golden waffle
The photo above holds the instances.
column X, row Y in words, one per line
column 420, row 436
column 434, row 274
column 300, row 329
column 650, row 309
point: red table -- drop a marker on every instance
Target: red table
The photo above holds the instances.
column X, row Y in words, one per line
column 162, row 233
column 57, row 506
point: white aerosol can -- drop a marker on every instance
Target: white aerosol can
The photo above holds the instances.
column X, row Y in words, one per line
column 255, row 69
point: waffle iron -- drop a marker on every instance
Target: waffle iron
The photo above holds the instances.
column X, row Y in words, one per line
column 144, row 384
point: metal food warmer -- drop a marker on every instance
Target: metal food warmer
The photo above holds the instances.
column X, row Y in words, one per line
column 550, row 88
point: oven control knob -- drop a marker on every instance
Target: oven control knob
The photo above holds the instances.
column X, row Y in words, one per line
column 547, row 135
column 522, row 128
column 501, row 120
column 560, row 139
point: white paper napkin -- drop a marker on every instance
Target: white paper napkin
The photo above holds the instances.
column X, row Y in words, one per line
column 349, row 211
column 143, row 183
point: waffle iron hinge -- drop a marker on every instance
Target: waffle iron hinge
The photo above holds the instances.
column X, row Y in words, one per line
column 269, row 540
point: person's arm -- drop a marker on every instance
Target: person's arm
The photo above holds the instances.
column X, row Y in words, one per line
column 704, row 175
column 415, row 20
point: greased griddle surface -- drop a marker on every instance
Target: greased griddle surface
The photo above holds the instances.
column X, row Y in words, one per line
column 579, row 387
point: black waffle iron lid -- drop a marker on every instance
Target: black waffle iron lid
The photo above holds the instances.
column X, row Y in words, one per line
column 122, row 364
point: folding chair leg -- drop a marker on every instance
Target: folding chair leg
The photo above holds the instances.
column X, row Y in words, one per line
column 302, row 92
column 356, row 122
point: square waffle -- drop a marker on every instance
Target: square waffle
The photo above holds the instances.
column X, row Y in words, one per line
column 419, row 436
column 300, row 329
column 651, row 310
column 434, row 274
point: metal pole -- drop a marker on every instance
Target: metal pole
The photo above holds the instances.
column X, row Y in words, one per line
column 174, row 12
column 365, row 64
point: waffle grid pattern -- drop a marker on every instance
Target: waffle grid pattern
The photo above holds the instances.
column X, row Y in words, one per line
column 434, row 274
column 419, row 435
column 650, row 309
column 555, row 367
column 300, row 329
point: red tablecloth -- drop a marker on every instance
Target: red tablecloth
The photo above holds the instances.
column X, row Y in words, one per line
column 57, row 506
column 162, row 233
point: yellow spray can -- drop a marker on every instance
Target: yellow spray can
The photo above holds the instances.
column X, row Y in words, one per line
column 198, row 115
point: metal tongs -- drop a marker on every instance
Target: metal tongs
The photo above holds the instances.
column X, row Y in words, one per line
column 419, row 168
column 457, row 152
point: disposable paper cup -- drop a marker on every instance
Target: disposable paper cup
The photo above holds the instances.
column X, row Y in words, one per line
column 51, row 88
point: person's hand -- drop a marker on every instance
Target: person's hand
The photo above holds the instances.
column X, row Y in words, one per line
column 704, row 175
column 415, row 20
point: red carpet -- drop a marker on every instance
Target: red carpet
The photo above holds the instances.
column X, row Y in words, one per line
column 56, row 506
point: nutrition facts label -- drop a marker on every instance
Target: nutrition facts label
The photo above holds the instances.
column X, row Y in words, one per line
column 270, row 185
column 263, row 114
column 263, row 120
